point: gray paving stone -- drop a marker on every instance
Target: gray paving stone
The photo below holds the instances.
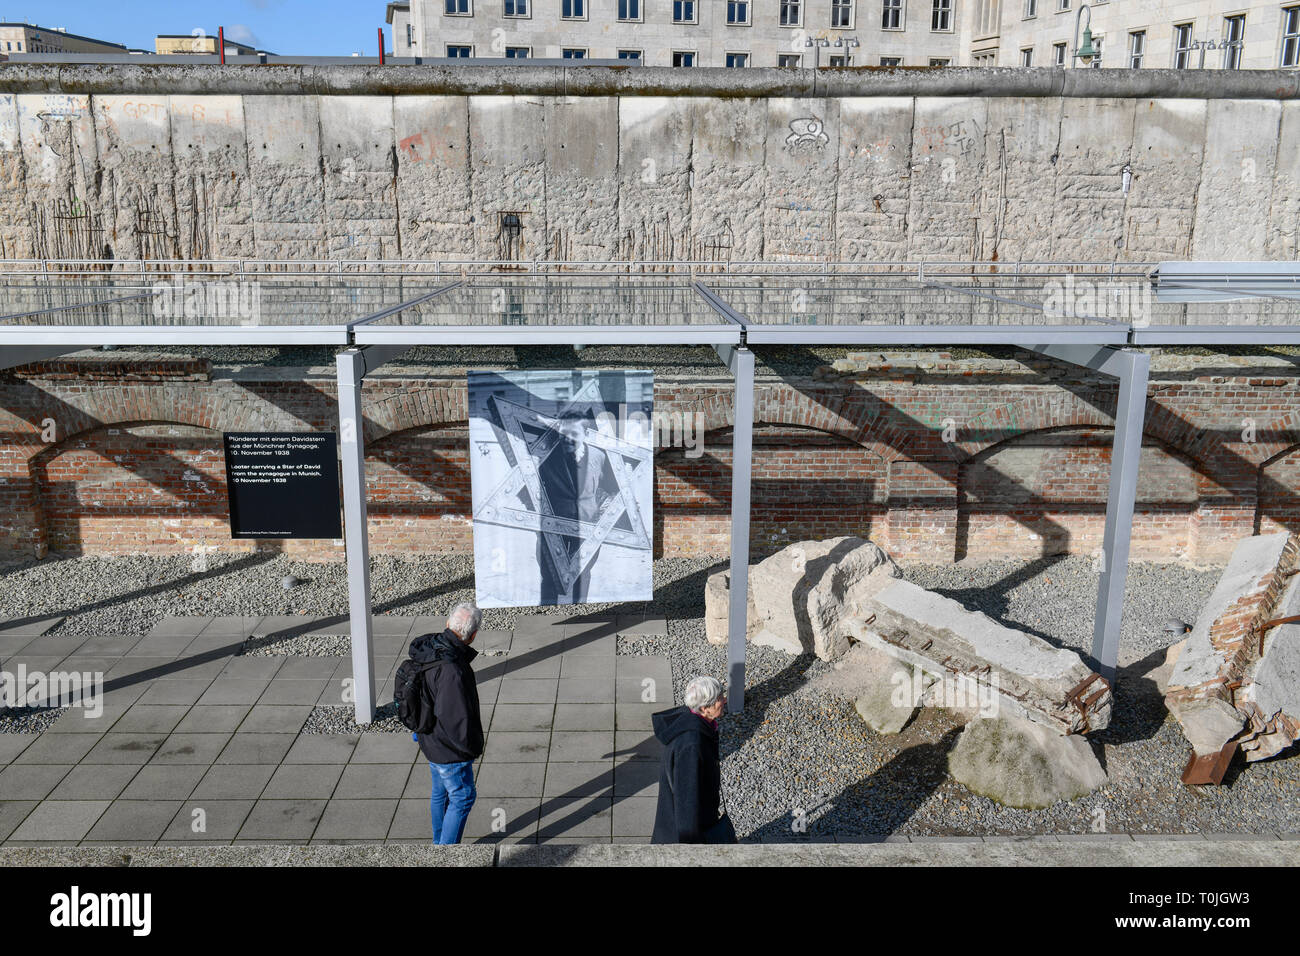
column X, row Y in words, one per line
column 355, row 820
column 489, row 639
column 567, row 780
column 534, row 717
column 585, row 690
column 11, row 745
column 151, row 719
column 237, row 626
column 276, row 718
column 257, row 748
column 508, row 746
column 636, row 716
column 386, row 748
column 428, row 624
column 509, row 780
column 639, row 666
column 186, row 691
column 570, row 819
column 302, row 667
column 233, row 782
column 634, row 816
column 588, row 666
column 643, row 690
column 30, row 781
column 251, row 668
column 58, row 749
column 419, row 783
column 191, row 749
column 55, row 645
column 301, row 781
column 322, row 748
column 527, row 691
column 185, row 626
column 208, row 820
column 591, row 643
column 164, row 782
column 12, row 813
column 637, row 745
column 581, row 745
column 159, row 645
column 227, row 690
column 412, row 821
column 60, row 820
column 636, row 778
column 293, row 692
column 282, row 820
column 213, row 645
column 583, row 716
column 195, row 668
column 133, row 821
column 95, row 782
column 335, row 694
column 77, row 720
column 213, row 718
column 643, row 624
column 117, row 747
column 394, row 625
column 112, row 645
column 496, row 819
column 33, row 626
column 372, row 781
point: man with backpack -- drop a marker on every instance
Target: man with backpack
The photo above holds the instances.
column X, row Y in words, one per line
column 437, row 697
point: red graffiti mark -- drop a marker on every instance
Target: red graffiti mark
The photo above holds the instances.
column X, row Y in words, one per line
column 411, row 144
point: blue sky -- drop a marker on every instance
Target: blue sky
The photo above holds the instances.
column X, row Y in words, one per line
column 318, row 27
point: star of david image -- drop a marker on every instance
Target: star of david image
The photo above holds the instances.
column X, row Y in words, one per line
column 529, row 438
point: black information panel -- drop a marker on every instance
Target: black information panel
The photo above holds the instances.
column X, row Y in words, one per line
column 283, row 485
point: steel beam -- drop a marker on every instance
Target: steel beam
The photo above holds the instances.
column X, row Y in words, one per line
column 353, row 364
column 1132, row 369
column 742, row 446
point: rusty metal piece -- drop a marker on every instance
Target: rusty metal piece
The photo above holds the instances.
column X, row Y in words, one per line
column 1075, row 696
column 1210, row 768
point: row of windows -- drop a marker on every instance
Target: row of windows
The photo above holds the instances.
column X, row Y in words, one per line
column 1228, row 49
column 689, row 58
column 737, row 11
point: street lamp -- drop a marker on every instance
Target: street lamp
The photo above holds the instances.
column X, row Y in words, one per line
column 1087, row 53
column 847, row 43
column 816, row 43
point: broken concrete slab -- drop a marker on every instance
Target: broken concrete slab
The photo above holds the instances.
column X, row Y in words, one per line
column 1208, row 724
column 1020, row 763
column 886, row 701
column 1033, row 680
column 807, row 591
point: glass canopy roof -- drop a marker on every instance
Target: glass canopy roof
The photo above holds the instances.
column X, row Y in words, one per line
column 711, row 307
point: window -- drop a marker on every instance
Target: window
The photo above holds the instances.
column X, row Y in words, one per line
column 1062, row 6
column 788, row 61
column 940, row 61
column 891, row 61
column 791, row 13
column 629, row 54
column 1290, row 36
column 410, row 34
column 1058, row 54
column 683, row 58
column 842, row 59
column 1096, row 45
column 516, row 8
column 518, row 52
column 457, row 8
column 629, row 9
column 1234, row 36
column 738, row 12
column 841, row 13
column 1027, row 56
column 1031, row 9
column 573, row 9
column 573, row 53
column 1182, row 46
column 941, row 16
column 1137, row 45
column 684, row 11
column 460, row 52
column 985, row 58
column 891, row 15
column 737, row 59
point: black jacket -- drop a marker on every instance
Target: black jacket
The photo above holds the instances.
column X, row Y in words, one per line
column 690, row 777
column 458, row 732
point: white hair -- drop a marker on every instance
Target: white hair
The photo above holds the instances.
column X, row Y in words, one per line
column 464, row 618
column 701, row 692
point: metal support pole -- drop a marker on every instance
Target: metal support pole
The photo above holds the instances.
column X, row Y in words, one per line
column 1132, row 369
column 742, row 446
column 353, row 364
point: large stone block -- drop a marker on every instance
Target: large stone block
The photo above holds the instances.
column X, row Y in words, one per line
column 1023, row 764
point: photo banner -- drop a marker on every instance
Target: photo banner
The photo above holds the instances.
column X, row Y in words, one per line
column 562, row 475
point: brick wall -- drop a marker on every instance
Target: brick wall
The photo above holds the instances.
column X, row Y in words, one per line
column 122, row 456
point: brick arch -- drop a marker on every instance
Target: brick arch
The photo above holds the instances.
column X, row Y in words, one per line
column 418, row 494
column 1081, row 501
column 1277, row 501
column 389, row 410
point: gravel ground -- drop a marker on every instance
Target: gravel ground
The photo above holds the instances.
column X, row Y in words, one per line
column 28, row 720
column 798, row 764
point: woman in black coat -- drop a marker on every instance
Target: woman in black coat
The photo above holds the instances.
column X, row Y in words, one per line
column 690, row 774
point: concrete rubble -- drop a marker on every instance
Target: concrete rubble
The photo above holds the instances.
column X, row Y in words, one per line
column 1236, row 685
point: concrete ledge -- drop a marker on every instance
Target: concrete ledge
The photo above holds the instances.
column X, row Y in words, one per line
column 197, row 79
column 355, row 854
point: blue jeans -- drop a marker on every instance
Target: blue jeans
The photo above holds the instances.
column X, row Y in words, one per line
column 449, row 804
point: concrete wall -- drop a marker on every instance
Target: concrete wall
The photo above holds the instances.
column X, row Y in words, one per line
column 421, row 163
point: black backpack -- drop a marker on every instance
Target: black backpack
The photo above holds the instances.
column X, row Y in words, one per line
column 412, row 697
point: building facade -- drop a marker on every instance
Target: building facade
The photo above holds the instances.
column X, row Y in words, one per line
column 29, row 38
column 1181, row 34
column 174, row 44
